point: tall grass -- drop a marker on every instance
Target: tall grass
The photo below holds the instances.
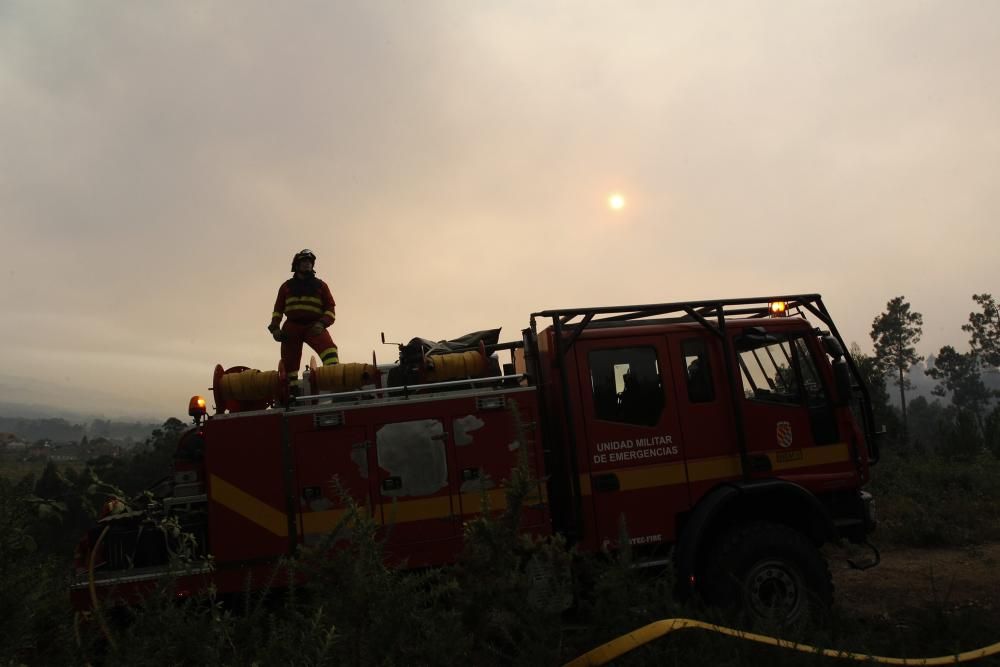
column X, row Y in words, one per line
column 933, row 501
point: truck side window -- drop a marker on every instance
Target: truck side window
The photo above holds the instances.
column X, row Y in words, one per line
column 698, row 372
column 626, row 385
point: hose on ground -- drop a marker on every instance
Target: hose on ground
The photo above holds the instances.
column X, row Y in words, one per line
column 617, row 647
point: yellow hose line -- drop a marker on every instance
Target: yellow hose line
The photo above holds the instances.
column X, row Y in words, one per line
column 251, row 385
column 617, row 647
column 93, row 590
column 344, row 377
column 76, row 629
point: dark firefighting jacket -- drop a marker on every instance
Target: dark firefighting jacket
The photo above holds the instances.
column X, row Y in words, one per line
column 304, row 302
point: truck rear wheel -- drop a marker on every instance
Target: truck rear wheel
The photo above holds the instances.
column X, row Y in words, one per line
column 773, row 572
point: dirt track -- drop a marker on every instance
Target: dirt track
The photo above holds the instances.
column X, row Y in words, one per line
column 908, row 578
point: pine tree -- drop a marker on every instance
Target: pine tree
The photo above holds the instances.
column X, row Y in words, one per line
column 895, row 334
column 959, row 375
column 985, row 329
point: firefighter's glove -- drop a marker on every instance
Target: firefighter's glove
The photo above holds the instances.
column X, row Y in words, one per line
column 315, row 330
column 275, row 333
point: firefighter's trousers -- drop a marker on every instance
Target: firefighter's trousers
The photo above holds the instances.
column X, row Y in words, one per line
column 293, row 334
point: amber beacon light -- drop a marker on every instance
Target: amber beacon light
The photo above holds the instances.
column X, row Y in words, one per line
column 196, row 407
column 777, row 308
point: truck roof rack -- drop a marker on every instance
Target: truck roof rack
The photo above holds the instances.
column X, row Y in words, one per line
column 692, row 311
column 571, row 322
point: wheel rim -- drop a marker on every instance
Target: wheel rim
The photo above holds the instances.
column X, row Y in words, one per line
column 775, row 590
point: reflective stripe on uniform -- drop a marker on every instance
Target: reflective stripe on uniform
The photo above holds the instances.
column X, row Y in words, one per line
column 332, row 315
column 275, row 314
column 299, row 306
column 303, row 299
column 329, row 356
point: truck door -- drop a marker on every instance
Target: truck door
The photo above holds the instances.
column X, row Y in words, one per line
column 487, row 449
column 635, row 453
column 323, row 453
column 704, row 406
column 787, row 411
column 414, row 491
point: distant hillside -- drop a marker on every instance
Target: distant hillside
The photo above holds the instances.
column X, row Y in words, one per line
column 37, row 398
column 60, row 429
column 40, row 411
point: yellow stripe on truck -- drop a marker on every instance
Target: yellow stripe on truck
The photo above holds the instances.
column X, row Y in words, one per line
column 404, row 511
column 629, row 479
column 247, row 506
column 399, row 511
column 718, row 467
column 644, row 478
column 783, row 459
column 323, row 522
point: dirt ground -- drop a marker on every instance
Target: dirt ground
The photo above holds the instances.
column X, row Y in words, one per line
column 950, row 579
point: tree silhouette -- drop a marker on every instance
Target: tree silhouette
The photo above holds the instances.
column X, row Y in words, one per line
column 985, row 329
column 147, row 463
column 895, row 333
column 959, row 375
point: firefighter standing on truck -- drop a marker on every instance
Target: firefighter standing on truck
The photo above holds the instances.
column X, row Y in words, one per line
column 307, row 303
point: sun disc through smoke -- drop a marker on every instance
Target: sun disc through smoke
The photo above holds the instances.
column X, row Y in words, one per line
column 616, row 202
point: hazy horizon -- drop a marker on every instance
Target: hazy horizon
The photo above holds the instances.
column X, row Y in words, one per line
column 450, row 163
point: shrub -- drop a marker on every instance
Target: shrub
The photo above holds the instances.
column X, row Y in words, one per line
column 933, row 501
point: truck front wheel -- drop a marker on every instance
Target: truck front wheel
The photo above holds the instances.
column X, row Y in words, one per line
column 770, row 570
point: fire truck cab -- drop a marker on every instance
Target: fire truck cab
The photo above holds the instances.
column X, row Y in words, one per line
column 708, row 429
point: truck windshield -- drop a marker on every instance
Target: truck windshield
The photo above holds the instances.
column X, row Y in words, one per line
column 780, row 371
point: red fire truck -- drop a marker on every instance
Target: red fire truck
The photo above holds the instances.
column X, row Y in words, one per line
column 733, row 436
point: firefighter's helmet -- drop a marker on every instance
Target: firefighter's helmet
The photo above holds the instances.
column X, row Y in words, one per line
column 300, row 255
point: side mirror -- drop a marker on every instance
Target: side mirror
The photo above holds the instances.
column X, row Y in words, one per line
column 832, row 347
column 842, row 379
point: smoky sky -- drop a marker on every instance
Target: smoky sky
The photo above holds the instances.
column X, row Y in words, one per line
column 449, row 163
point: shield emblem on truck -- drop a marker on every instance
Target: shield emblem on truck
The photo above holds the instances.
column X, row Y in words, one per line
column 783, row 431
